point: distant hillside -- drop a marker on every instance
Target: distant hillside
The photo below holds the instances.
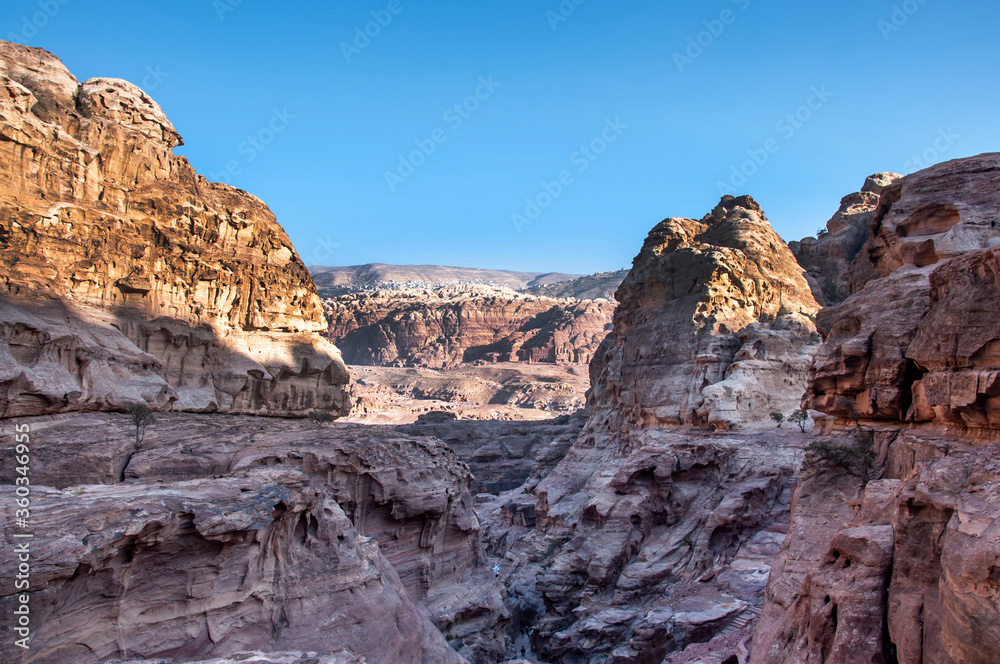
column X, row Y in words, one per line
column 332, row 281
column 592, row 287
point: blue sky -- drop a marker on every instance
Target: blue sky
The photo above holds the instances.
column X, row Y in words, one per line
column 578, row 127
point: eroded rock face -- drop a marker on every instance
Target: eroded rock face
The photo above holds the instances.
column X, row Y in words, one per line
column 730, row 298
column 904, row 568
column 650, row 535
column 915, row 341
column 233, row 534
column 828, row 258
column 444, row 327
column 128, row 277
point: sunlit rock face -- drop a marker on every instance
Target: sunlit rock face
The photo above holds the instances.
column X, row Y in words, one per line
column 904, row 568
column 444, row 327
column 128, row 277
column 917, row 340
column 713, row 326
column 827, row 258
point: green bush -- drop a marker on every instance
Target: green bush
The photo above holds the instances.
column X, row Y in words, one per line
column 855, row 457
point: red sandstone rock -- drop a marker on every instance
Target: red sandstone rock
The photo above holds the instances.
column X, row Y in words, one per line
column 128, row 277
column 444, row 327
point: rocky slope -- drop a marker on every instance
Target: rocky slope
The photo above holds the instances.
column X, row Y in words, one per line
column 230, row 534
column 651, row 534
column 127, row 277
column 827, row 258
column 592, row 287
column 501, row 392
column 444, row 327
column 903, row 568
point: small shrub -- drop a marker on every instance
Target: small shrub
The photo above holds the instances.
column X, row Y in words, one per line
column 799, row 417
column 141, row 417
column 856, row 457
column 778, row 417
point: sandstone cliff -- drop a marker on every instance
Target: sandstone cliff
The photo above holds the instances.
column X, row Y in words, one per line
column 828, row 258
column 444, row 327
column 903, row 568
column 127, row 277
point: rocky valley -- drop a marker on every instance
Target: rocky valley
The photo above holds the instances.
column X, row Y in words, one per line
column 759, row 451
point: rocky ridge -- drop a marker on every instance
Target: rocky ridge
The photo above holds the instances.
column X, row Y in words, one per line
column 828, row 257
column 452, row 325
column 902, row 568
column 130, row 278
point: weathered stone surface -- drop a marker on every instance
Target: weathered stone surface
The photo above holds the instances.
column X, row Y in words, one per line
column 905, row 576
column 444, row 327
column 702, row 298
column 915, row 341
column 828, row 258
column 140, row 278
column 288, row 501
column 911, row 352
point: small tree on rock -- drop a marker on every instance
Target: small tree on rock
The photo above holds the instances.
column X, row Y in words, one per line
column 141, row 417
column 799, row 417
column 778, row 417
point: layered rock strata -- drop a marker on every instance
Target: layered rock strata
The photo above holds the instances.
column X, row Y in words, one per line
column 232, row 534
column 448, row 326
column 903, row 568
column 128, row 277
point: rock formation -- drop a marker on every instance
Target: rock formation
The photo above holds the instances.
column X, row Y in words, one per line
column 233, row 534
column 827, row 258
column 444, row 327
column 127, row 277
column 904, row 568
column 592, row 287
column 730, row 298
column 651, row 535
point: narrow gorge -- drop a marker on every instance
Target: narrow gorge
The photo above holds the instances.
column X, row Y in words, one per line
column 758, row 452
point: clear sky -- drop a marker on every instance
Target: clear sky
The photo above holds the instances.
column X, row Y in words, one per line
column 580, row 123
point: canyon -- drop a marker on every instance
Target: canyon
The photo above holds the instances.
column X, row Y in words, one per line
column 595, row 481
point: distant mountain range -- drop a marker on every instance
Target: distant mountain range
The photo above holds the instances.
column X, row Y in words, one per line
column 333, row 281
